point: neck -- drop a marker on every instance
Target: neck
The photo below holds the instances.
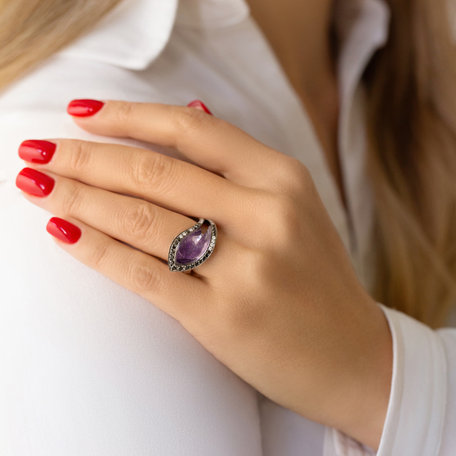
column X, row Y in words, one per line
column 299, row 32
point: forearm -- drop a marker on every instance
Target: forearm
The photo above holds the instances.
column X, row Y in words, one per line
column 362, row 411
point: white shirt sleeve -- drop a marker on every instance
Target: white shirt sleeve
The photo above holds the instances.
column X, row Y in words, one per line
column 421, row 414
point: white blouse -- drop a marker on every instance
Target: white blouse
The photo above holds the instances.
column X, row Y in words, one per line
column 90, row 368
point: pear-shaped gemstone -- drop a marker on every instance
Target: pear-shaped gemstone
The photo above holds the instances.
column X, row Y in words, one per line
column 192, row 247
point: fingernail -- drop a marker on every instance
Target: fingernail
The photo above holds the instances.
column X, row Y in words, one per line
column 34, row 183
column 63, row 230
column 199, row 105
column 37, row 151
column 84, row 108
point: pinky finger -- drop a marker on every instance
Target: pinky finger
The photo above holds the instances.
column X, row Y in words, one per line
column 177, row 294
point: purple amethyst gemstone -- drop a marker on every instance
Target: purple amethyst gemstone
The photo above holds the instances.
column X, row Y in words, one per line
column 193, row 246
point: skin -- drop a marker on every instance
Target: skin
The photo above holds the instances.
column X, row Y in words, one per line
column 299, row 33
column 281, row 305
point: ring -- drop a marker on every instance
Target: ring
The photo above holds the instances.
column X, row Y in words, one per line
column 193, row 246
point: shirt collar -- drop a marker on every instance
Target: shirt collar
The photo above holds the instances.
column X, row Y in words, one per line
column 211, row 13
column 362, row 27
column 135, row 32
column 132, row 35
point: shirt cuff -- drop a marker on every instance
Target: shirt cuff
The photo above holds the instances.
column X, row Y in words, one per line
column 414, row 419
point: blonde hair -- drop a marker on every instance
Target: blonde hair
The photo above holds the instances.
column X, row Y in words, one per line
column 32, row 30
column 412, row 131
column 412, row 161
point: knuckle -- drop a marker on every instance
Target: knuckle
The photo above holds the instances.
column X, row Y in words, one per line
column 289, row 217
column 143, row 276
column 72, row 199
column 155, row 171
column 140, row 221
column 295, row 176
column 188, row 120
column 284, row 219
column 98, row 255
column 123, row 112
column 79, row 157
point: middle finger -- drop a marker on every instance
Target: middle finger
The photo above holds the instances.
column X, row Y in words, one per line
column 155, row 177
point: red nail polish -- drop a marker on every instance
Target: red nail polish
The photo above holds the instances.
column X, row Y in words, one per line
column 63, row 230
column 37, row 151
column 199, row 104
column 34, row 183
column 84, row 108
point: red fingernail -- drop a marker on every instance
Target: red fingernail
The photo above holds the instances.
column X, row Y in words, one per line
column 34, row 183
column 84, row 108
column 199, row 104
column 63, row 230
column 37, row 151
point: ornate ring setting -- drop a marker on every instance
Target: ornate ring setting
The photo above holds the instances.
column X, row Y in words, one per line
column 193, row 246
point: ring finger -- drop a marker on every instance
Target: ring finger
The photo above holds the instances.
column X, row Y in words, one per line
column 139, row 223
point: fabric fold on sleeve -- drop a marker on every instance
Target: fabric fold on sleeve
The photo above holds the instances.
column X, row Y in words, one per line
column 415, row 422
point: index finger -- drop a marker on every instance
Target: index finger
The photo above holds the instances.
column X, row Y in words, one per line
column 206, row 140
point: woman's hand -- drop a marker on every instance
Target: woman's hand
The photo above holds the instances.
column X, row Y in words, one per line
column 278, row 301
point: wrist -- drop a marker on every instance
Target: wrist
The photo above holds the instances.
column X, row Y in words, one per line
column 365, row 408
